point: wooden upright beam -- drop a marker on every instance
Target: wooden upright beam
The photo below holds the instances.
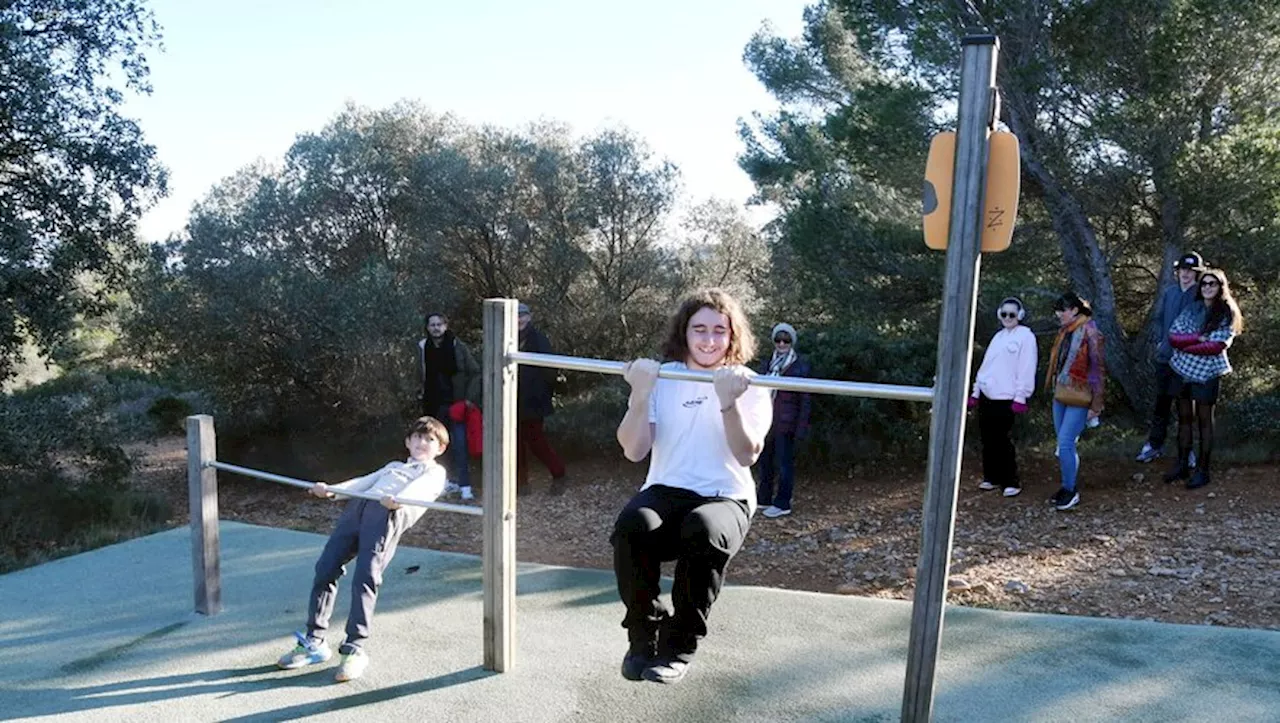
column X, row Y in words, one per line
column 202, row 494
column 499, row 476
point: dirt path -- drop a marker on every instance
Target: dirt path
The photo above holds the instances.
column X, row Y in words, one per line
column 1135, row 548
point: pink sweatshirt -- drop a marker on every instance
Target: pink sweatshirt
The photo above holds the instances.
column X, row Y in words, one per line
column 1008, row 368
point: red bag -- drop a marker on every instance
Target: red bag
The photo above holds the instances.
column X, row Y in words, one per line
column 475, row 430
column 470, row 415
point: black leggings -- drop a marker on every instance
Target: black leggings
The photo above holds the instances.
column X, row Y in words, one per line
column 1201, row 413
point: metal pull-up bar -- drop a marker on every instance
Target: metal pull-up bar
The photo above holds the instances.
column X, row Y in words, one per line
column 788, row 384
column 247, row 472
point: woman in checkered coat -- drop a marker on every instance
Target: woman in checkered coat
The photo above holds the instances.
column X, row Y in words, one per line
column 1200, row 337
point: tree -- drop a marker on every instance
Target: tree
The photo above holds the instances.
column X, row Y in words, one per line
column 302, row 286
column 842, row 160
column 75, row 174
column 1144, row 129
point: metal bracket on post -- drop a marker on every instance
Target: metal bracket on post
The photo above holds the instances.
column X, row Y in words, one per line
column 955, row 348
column 202, row 496
column 499, row 476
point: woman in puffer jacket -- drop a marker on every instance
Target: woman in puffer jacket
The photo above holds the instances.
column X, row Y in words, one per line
column 790, row 423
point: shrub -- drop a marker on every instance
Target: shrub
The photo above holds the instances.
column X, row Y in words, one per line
column 168, row 413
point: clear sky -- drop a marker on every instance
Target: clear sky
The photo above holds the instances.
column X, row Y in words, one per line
column 239, row 79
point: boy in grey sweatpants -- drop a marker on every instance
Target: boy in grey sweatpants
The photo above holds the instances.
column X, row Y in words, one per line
column 369, row 532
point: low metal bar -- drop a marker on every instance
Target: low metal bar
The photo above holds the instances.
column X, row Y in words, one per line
column 247, row 472
column 790, row 384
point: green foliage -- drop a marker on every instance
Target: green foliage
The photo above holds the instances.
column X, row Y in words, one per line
column 169, row 414
column 299, row 291
column 63, row 480
column 75, row 175
column 846, row 430
column 1146, row 128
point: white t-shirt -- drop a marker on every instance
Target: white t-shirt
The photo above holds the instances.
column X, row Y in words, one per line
column 689, row 447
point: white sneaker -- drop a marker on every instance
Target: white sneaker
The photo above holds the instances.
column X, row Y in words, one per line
column 986, row 485
column 352, row 667
column 1012, row 491
column 773, row 512
column 467, row 494
column 450, row 488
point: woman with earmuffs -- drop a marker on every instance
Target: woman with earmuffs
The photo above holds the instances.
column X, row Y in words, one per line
column 1200, row 337
column 1005, row 381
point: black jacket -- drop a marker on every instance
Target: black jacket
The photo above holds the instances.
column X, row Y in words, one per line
column 536, row 384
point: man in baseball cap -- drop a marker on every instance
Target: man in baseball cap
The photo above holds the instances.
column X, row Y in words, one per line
column 1191, row 261
column 1173, row 300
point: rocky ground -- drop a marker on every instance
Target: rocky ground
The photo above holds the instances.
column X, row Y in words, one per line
column 1134, row 548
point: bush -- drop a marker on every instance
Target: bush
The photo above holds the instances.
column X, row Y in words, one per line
column 63, row 480
column 168, row 413
column 848, row 429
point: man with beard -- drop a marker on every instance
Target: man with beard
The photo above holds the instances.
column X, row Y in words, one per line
column 449, row 374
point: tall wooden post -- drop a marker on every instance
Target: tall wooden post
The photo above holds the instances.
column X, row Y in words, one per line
column 202, row 495
column 499, row 475
column 955, row 349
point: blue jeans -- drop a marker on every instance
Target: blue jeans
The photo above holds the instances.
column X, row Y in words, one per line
column 781, row 448
column 458, row 447
column 459, row 471
column 1068, row 422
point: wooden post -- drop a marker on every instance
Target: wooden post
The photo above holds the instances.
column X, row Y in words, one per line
column 202, row 492
column 955, row 350
column 499, row 477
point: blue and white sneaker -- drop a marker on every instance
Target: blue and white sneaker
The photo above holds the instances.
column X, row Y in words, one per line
column 306, row 653
column 451, row 488
column 1065, row 499
column 1149, row 453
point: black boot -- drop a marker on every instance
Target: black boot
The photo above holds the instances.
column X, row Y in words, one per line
column 643, row 649
column 1182, row 470
column 640, row 655
column 1199, row 479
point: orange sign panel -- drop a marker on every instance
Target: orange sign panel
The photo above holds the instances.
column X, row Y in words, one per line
column 1000, row 202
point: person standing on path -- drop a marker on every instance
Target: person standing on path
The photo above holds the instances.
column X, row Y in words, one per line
column 790, row 424
column 450, row 374
column 1173, row 301
column 534, row 404
column 1004, row 382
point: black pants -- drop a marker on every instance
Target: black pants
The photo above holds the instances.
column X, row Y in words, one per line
column 701, row 534
column 1163, row 413
column 995, row 424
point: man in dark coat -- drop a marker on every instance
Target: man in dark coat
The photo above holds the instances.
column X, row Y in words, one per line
column 533, row 405
column 449, row 374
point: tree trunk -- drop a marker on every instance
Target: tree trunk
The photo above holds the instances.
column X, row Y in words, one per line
column 1087, row 266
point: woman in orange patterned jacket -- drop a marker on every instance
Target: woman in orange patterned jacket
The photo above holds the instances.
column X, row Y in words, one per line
column 1075, row 378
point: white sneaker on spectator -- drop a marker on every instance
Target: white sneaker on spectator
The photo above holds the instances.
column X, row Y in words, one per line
column 1149, row 453
column 986, row 485
column 1012, row 491
column 467, row 494
column 451, row 488
column 773, row 512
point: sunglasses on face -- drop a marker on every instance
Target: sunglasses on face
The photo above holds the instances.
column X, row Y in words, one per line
column 1210, row 282
column 782, row 340
column 1008, row 315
